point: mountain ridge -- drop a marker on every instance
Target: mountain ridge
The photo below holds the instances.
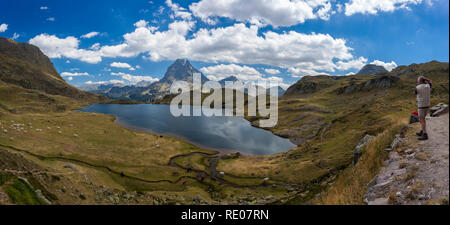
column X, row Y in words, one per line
column 180, row 70
column 27, row 66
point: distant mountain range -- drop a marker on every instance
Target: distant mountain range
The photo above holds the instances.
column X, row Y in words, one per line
column 180, row 70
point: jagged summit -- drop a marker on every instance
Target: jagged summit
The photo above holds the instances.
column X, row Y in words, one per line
column 372, row 69
column 182, row 62
column 181, row 70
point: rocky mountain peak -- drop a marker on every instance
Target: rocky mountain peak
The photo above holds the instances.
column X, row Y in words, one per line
column 181, row 70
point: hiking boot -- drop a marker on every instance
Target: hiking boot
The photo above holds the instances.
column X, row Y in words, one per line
column 424, row 137
column 420, row 134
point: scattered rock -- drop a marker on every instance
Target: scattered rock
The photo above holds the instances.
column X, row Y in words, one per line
column 409, row 151
column 438, row 110
column 198, row 198
column 75, row 135
column 41, row 196
column 397, row 142
column 379, row 201
column 360, row 147
column 70, row 166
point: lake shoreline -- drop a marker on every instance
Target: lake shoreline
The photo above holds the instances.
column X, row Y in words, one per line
column 231, row 135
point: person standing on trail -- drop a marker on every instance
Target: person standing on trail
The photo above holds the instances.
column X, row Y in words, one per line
column 423, row 93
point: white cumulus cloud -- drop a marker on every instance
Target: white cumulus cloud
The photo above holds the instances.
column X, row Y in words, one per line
column 15, row 36
column 301, row 53
column 105, row 82
column 90, row 35
column 278, row 13
column 121, row 65
column 388, row 66
column 135, row 79
column 69, row 74
column 178, row 11
column 243, row 73
column 3, row 27
column 272, row 71
column 238, row 43
column 220, row 72
column 55, row 47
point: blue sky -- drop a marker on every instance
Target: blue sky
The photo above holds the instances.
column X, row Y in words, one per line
column 277, row 40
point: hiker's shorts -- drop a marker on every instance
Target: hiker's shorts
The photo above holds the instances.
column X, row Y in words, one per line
column 423, row 112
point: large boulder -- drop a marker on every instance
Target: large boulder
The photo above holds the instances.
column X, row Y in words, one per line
column 358, row 150
column 438, row 110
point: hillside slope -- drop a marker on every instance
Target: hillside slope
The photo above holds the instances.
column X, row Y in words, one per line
column 328, row 116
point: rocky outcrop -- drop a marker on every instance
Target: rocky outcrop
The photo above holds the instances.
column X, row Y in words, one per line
column 359, row 148
column 381, row 82
column 302, row 88
column 310, row 84
column 372, row 69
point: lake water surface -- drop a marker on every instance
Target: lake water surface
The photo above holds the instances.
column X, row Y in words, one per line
column 219, row 133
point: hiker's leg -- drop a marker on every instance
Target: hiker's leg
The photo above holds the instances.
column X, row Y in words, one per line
column 422, row 119
column 423, row 122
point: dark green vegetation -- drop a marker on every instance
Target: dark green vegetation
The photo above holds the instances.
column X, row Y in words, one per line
column 22, row 194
